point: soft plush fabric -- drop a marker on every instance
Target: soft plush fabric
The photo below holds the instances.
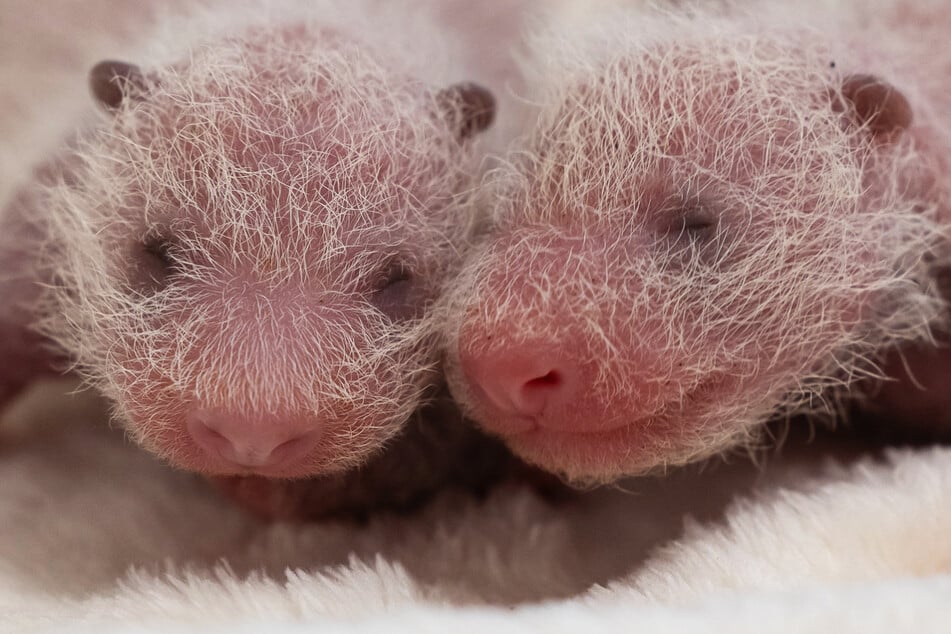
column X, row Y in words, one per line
column 97, row 536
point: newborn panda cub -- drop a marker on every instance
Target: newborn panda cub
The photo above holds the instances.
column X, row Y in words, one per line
column 243, row 255
column 720, row 216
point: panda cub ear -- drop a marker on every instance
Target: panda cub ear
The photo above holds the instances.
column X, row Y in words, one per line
column 468, row 107
column 875, row 104
column 113, row 82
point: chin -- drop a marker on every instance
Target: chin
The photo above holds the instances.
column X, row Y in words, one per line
column 585, row 457
column 636, row 448
column 187, row 457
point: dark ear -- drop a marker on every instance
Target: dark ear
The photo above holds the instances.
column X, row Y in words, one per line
column 469, row 108
column 876, row 104
column 111, row 82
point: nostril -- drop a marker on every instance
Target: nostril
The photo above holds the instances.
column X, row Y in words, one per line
column 521, row 380
column 293, row 448
column 288, row 445
column 552, row 380
column 530, row 397
column 214, row 436
column 243, row 442
column 207, row 437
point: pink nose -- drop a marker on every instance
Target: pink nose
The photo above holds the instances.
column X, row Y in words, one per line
column 246, row 443
column 521, row 381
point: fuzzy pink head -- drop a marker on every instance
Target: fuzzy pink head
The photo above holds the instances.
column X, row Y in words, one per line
column 704, row 229
column 247, row 251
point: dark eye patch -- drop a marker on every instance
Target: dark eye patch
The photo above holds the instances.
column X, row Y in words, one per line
column 157, row 262
column 698, row 222
column 160, row 249
column 690, row 220
column 395, row 291
column 688, row 232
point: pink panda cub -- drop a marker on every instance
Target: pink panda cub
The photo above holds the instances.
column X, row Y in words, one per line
column 243, row 254
column 722, row 215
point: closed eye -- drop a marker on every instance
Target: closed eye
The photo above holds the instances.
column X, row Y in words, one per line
column 160, row 250
column 692, row 221
column 395, row 273
column 688, row 233
column 699, row 223
column 157, row 263
column 395, row 291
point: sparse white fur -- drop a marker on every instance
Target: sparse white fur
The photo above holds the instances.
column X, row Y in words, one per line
column 288, row 150
column 818, row 263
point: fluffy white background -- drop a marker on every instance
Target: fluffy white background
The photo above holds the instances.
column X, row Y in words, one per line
column 98, row 535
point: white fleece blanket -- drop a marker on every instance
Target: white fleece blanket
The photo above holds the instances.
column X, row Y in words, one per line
column 96, row 536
